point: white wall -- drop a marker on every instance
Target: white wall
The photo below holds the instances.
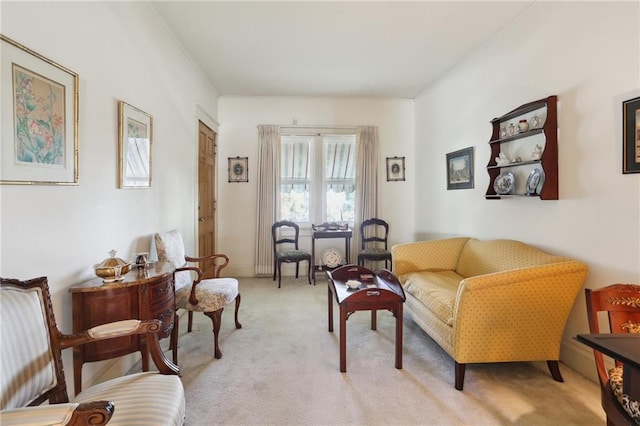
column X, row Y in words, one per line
column 120, row 52
column 239, row 118
column 588, row 54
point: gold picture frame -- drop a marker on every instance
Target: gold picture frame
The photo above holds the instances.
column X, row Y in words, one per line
column 135, row 134
column 39, row 104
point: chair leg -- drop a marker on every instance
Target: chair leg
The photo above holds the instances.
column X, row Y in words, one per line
column 216, row 318
column 297, row 269
column 190, row 322
column 459, row 375
column 275, row 263
column 554, row 368
column 309, row 271
column 238, row 325
column 279, row 273
column 174, row 339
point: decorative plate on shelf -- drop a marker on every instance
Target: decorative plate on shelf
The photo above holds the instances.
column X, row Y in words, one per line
column 534, row 181
column 504, row 183
column 332, row 257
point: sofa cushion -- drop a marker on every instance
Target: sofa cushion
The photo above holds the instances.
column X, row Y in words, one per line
column 436, row 290
column 487, row 257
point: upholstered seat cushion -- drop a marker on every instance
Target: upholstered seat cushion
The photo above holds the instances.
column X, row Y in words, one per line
column 141, row 399
column 293, row 255
column 376, row 253
column 436, row 290
column 630, row 406
column 212, row 294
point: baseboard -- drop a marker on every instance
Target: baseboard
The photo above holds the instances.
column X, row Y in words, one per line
column 579, row 357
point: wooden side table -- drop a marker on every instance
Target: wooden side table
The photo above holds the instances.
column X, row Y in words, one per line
column 330, row 233
column 376, row 291
column 143, row 294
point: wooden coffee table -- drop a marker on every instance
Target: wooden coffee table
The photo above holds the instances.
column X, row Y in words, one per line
column 376, row 291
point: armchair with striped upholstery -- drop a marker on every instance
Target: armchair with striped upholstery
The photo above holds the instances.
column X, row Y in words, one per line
column 31, row 370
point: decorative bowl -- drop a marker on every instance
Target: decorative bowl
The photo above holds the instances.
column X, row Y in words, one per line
column 108, row 268
column 352, row 284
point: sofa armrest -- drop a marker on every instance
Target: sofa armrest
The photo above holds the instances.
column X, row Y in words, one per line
column 94, row 413
column 515, row 315
column 435, row 255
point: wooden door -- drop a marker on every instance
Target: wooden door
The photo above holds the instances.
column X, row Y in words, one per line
column 206, row 196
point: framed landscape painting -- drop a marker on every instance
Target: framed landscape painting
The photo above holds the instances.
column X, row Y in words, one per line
column 460, row 169
column 39, row 104
column 631, row 136
column 135, row 129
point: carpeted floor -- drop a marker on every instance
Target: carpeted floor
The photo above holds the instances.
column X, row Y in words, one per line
column 282, row 368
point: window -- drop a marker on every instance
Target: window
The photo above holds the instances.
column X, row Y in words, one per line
column 318, row 178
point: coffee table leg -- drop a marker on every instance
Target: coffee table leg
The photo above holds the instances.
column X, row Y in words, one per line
column 343, row 339
column 330, row 309
column 374, row 319
column 399, row 336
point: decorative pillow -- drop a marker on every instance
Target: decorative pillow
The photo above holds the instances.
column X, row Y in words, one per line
column 630, row 406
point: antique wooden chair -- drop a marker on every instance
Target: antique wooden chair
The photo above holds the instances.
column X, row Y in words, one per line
column 621, row 302
column 282, row 251
column 31, row 370
column 373, row 233
column 209, row 296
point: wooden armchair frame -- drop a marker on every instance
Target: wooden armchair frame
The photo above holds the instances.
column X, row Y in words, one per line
column 94, row 413
column 621, row 302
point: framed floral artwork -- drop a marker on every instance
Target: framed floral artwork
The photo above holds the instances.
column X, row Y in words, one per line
column 135, row 130
column 39, row 104
column 460, row 169
column 395, row 169
column 631, row 136
column 238, row 169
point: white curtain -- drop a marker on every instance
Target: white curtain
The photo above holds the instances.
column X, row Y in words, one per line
column 366, row 182
column 268, row 188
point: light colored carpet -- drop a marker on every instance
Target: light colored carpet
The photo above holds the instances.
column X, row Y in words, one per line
column 282, row 368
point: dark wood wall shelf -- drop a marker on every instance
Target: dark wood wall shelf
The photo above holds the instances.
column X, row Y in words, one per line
column 546, row 112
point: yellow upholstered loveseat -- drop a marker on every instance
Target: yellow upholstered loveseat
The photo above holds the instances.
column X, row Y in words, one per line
column 489, row 301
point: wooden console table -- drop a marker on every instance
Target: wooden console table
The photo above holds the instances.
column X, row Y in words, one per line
column 329, row 233
column 143, row 294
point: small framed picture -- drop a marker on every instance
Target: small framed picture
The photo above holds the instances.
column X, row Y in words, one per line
column 395, row 169
column 238, row 169
column 460, row 169
column 135, row 134
column 631, row 136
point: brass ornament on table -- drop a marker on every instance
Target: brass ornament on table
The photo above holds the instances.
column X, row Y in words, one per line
column 112, row 267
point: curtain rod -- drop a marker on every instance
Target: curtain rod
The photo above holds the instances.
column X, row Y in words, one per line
column 298, row 126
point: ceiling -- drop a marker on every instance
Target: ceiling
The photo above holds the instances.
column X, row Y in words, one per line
column 340, row 48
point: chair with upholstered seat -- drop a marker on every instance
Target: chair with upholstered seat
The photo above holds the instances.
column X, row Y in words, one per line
column 621, row 302
column 374, row 233
column 283, row 252
column 31, row 370
column 209, row 296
